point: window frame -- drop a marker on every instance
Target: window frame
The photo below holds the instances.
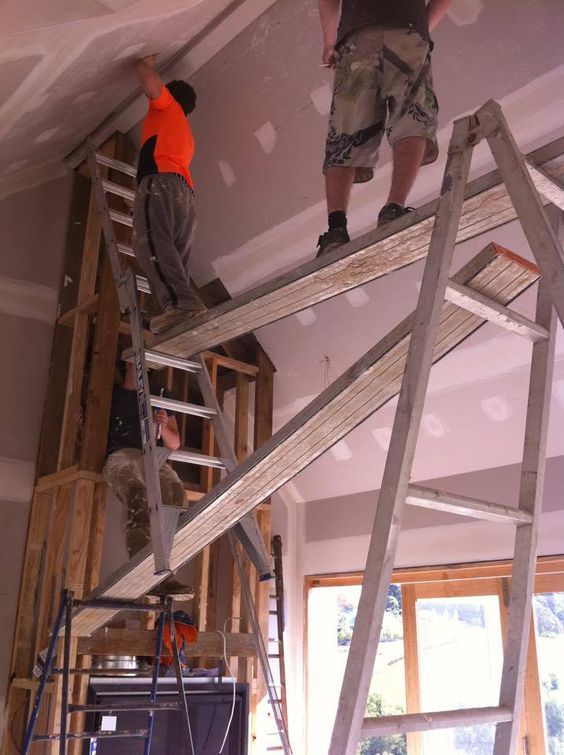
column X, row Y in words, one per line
column 456, row 580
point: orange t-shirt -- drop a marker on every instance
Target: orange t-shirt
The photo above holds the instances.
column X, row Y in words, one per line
column 167, row 142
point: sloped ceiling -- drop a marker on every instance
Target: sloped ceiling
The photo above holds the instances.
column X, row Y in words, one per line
column 65, row 65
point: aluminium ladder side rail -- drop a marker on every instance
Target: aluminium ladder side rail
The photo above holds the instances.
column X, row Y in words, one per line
column 360, row 391
column 163, row 519
column 63, row 623
column 278, row 641
column 350, row 724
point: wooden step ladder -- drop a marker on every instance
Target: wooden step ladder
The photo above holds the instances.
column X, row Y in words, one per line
column 545, row 240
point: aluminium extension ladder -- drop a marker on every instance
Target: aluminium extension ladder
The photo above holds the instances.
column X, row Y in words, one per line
column 276, row 639
column 164, row 519
column 545, row 239
column 63, row 622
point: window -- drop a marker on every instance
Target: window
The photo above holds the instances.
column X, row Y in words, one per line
column 549, row 624
column 332, row 613
column 441, row 649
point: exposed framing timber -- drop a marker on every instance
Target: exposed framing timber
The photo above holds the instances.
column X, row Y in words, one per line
column 487, row 206
column 359, row 392
column 441, row 719
column 427, row 498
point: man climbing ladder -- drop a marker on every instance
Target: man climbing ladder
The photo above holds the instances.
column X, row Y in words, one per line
column 164, row 218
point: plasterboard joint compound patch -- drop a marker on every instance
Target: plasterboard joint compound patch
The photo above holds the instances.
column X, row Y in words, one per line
column 341, row 451
column 266, row 137
column 321, row 98
column 306, row 317
column 357, row 297
column 46, row 135
column 433, row 426
column 496, row 408
column 226, row 173
column 465, row 12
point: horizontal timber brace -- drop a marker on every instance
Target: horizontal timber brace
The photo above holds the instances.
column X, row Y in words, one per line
column 355, row 395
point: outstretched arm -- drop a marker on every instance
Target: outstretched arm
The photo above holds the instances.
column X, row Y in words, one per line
column 329, row 17
column 151, row 82
column 435, row 11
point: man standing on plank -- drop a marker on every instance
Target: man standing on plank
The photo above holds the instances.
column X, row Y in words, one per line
column 164, row 212
column 381, row 53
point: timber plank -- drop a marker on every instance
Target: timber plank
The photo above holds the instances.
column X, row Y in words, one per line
column 111, row 641
column 487, row 206
column 359, row 392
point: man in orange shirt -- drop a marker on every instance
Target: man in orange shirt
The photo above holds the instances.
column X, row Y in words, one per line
column 164, row 212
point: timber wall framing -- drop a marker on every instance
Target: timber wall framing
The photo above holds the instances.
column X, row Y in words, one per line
column 67, row 519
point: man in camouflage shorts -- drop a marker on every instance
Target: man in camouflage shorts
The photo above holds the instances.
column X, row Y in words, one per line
column 381, row 52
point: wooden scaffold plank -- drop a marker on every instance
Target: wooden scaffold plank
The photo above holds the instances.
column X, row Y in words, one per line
column 487, row 206
column 359, row 392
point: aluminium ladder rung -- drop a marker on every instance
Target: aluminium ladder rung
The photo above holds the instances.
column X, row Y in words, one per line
column 173, row 405
column 91, row 735
column 125, row 249
column 168, row 360
column 121, row 707
column 121, row 217
column 191, row 457
column 119, row 191
column 441, row 719
column 111, row 162
column 471, row 507
column 489, row 309
column 142, row 284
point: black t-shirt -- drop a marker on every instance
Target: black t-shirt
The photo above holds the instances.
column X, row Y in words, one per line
column 125, row 430
column 396, row 14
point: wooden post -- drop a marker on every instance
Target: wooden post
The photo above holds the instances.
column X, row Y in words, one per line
column 97, row 416
column 412, row 687
column 530, row 500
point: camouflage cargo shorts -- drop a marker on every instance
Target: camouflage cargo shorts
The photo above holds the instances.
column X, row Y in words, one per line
column 383, row 84
column 125, row 475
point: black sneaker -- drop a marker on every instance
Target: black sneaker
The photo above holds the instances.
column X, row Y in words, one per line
column 392, row 211
column 332, row 239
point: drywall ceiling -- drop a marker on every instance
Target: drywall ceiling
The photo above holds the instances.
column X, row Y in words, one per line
column 64, row 66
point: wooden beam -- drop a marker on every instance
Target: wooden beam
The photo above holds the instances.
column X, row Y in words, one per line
column 441, row 719
column 427, row 498
column 487, row 206
column 66, row 477
column 358, row 393
column 501, row 316
column 127, row 642
column 100, row 385
column 411, row 653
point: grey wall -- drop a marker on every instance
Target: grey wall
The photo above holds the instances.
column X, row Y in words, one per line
column 33, row 226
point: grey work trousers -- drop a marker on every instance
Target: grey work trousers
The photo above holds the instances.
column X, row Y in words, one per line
column 164, row 222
